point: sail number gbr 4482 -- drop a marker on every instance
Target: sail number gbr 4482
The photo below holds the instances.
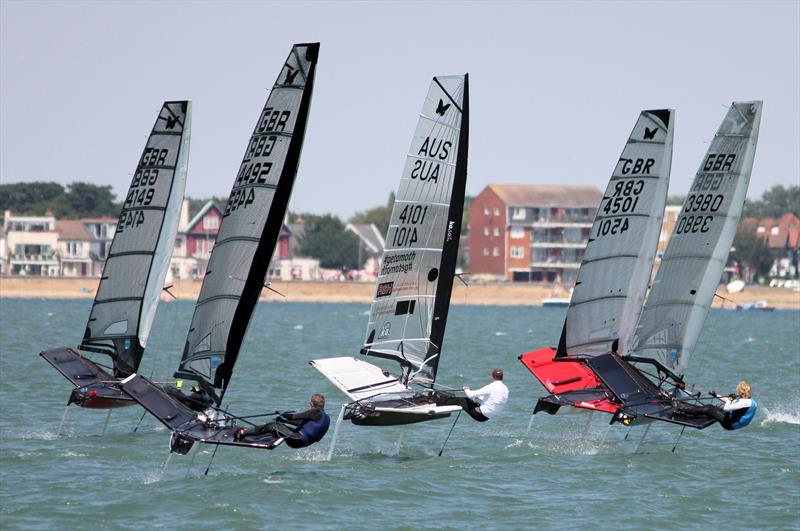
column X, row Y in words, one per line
column 253, row 174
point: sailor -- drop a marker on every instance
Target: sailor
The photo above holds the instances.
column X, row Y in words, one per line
column 736, row 412
column 298, row 430
column 197, row 400
column 492, row 396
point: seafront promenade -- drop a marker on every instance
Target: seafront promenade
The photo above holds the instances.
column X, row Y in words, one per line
column 479, row 294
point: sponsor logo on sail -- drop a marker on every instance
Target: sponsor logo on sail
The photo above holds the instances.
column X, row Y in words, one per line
column 384, row 289
column 650, row 134
column 442, row 108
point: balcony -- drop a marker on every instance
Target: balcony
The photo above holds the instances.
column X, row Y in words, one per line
column 556, row 265
column 577, row 223
column 539, row 244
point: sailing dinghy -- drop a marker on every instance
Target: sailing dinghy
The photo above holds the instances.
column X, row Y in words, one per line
column 237, row 266
column 636, row 372
column 133, row 276
column 409, row 311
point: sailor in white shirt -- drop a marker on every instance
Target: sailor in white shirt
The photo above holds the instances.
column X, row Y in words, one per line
column 492, row 398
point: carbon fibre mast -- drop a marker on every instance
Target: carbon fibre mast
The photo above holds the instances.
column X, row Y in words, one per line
column 238, row 265
column 409, row 311
column 640, row 377
column 133, row 275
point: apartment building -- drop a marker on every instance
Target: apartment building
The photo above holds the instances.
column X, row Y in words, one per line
column 531, row 233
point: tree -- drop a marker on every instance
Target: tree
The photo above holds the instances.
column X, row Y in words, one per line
column 326, row 240
column 676, row 200
column 752, row 251
column 380, row 215
column 34, row 198
column 774, row 203
column 89, row 200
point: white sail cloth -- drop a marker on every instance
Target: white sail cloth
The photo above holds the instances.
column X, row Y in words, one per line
column 687, row 278
column 615, row 271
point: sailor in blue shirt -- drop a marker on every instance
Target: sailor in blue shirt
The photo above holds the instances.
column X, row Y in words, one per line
column 298, row 430
column 736, row 411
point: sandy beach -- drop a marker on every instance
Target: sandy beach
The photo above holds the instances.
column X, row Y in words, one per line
column 479, row 294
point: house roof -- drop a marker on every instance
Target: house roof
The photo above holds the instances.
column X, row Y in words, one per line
column 104, row 219
column 72, row 229
column 368, row 234
column 200, row 213
column 548, row 195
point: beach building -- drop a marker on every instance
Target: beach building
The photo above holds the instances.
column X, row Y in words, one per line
column 370, row 247
column 74, row 249
column 31, row 243
column 195, row 239
column 101, row 231
column 531, row 233
column 782, row 236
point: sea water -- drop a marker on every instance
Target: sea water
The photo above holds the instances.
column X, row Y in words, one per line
column 571, row 471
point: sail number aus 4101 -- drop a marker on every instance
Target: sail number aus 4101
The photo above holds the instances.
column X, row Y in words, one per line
column 410, row 215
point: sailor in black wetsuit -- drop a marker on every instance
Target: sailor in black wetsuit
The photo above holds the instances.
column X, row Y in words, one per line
column 298, row 430
column 736, row 411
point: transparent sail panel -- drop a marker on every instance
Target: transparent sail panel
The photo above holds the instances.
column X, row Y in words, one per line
column 252, row 219
column 613, row 277
column 690, row 270
column 137, row 264
column 422, row 224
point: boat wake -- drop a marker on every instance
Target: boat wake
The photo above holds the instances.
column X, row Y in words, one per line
column 780, row 416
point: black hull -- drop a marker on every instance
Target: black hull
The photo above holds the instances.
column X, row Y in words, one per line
column 94, row 387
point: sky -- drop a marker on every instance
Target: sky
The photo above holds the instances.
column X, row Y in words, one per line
column 555, row 87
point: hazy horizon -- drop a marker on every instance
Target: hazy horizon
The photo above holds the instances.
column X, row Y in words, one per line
column 555, row 87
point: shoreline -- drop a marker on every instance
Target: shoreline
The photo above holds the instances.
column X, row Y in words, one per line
column 362, row 292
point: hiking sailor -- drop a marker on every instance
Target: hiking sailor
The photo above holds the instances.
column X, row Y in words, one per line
column 298, row 430
column 493, row 397
column 736, row 411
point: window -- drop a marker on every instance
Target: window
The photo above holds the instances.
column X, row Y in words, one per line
column 519, row 213
column 776, row 230
column 517, row 232
column 210, row 222
column 496, row 251
column 496, row 211
column 485, row 251
column 517, row 252
column 486, row 211
column 497, row 231
column 486, row 231
column 761, row 230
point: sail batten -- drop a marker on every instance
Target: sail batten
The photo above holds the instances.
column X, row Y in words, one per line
column 690, row 270
column 137, row 262
column 621, row 244
column 250, row 226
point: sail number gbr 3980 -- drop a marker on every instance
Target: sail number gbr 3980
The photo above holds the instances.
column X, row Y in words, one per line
column 405, row 235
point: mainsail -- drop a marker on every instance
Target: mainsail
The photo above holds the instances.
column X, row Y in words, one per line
column 409, row 311
column 133, row 276
column 250, row 226
column 615, row 271
column 687, row 278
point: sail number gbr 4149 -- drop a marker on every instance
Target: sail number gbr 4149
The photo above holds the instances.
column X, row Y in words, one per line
column 142, row 190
